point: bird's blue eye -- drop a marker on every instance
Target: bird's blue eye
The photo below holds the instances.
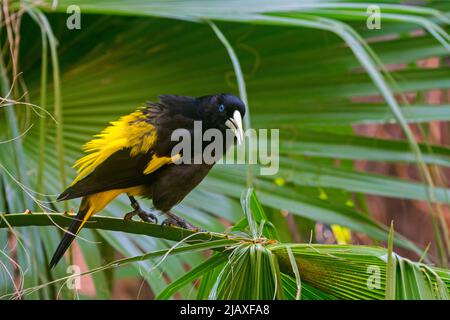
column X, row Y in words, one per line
column 221, row 108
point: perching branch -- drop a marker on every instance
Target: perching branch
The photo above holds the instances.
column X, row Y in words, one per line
column 106, row 223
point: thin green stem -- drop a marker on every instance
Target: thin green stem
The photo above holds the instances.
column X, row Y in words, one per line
column 107, row 223
column 241, row 85
column 19, row 154
column 57, row 97
column 42, row 120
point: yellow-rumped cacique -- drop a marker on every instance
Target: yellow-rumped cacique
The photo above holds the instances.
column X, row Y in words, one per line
column 134, row 156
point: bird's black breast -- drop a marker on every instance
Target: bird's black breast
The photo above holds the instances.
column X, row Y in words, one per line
column 171, row 184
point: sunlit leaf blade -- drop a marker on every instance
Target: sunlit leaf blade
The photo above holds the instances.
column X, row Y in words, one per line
column 308, row 292
column 359, row 272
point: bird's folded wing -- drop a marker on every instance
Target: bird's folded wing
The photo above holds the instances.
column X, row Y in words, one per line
column 133, row 132
column 119, row 157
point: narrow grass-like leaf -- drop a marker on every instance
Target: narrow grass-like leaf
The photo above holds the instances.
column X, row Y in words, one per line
column 192, row 275
column 391, row 266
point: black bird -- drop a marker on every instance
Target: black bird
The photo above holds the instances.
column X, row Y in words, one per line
column 134, row 156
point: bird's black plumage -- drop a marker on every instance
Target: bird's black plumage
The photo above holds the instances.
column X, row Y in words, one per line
column 126, row 170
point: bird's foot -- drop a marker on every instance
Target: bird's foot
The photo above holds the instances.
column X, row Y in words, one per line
column 174, row 220
column 144, row 215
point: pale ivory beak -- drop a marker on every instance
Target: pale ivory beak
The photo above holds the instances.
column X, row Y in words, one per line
column 235, row 124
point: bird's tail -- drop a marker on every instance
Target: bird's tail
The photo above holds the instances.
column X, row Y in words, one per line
column 90, row 205
column 70, row 234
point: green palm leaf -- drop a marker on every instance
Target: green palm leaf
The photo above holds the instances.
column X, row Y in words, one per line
column 307, row 85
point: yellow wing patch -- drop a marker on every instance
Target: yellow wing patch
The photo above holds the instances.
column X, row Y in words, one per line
column 130, row 131
column 157, row 162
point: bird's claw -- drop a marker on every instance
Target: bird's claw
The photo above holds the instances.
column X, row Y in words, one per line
column 180, row 223
column 145, row 216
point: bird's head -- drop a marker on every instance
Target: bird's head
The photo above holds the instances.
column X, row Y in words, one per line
column 223, row 111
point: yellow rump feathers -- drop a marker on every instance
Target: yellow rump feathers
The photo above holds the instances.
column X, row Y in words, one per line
column 94, row 203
